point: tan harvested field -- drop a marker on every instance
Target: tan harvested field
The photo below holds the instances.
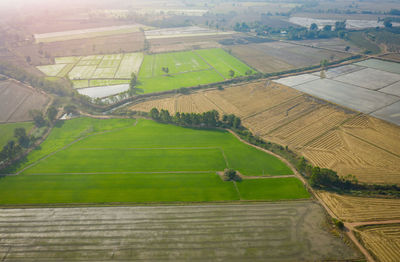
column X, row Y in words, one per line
column 99, row 45
column 327, row 135
column 16, row 100
column 361, row 209
column 392, row 56
column 160, row 45
column 278, row 56
column 285, row 231
column 382, row 241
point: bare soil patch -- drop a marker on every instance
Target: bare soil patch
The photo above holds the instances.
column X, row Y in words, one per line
column 16, row 100
column 285, row 231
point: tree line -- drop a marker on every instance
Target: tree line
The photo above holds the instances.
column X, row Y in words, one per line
column 327, row 179
column 209, row 119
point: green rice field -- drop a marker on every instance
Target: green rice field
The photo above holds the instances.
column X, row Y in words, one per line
column 88, row 160
column 186, row 69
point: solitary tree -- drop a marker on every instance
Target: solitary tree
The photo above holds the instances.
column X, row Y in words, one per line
column 387, row 23
column 231, row 73
column 327, row 28
column 154, row 113
column 165, row 69
column 231, row 175
column 52, row 113
column 313, row 27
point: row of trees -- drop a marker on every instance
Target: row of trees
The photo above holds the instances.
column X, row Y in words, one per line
column 14, row 147
column 210, row 119
column 324, row 178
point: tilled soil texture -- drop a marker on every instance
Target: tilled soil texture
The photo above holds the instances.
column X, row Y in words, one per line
column 285, row 231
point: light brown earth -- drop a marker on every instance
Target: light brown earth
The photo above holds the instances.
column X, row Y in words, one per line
column 185, row 43
column 17, row 100
column 327, row 135
column 98, row 45
column 284, row 231
column 279, row 56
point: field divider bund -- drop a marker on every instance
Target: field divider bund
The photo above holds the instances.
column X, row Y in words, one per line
column 152, row 148
column 127, row 172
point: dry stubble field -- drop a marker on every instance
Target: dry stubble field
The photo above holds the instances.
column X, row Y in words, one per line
column 327, row 135
column 382, row 241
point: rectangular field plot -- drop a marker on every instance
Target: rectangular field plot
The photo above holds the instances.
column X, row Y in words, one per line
column 130, row 64
column 279, row 188
column 391, row 67
column 279, row 56
column 187, row 69
column 104, row 72
column 223, row 62
column 82, row 72
column 354, row 97
column 392, row 89
column 51, row 70
column 165, row 83
column 87, row 33
column 182, row 32
column 369, row 78
column 177, row 62
column 246, row 232
column 390, row 113
column 104, row 160
column 152, row 147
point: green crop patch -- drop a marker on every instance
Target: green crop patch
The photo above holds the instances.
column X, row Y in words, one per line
column 88, row 160
column 272, row 189
column 223, row 62
column 168, row 71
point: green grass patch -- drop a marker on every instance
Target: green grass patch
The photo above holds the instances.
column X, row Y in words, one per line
column 7, row 131
column 224, row 62
column 80, row 83
column 177, row 62
column 65, row 132
column 51, row 70
column 148, row 147
column 108, row 82
column 112, row 160
column 103, row 188
column 359, row 39
column 171, row 82
column 272, row 189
